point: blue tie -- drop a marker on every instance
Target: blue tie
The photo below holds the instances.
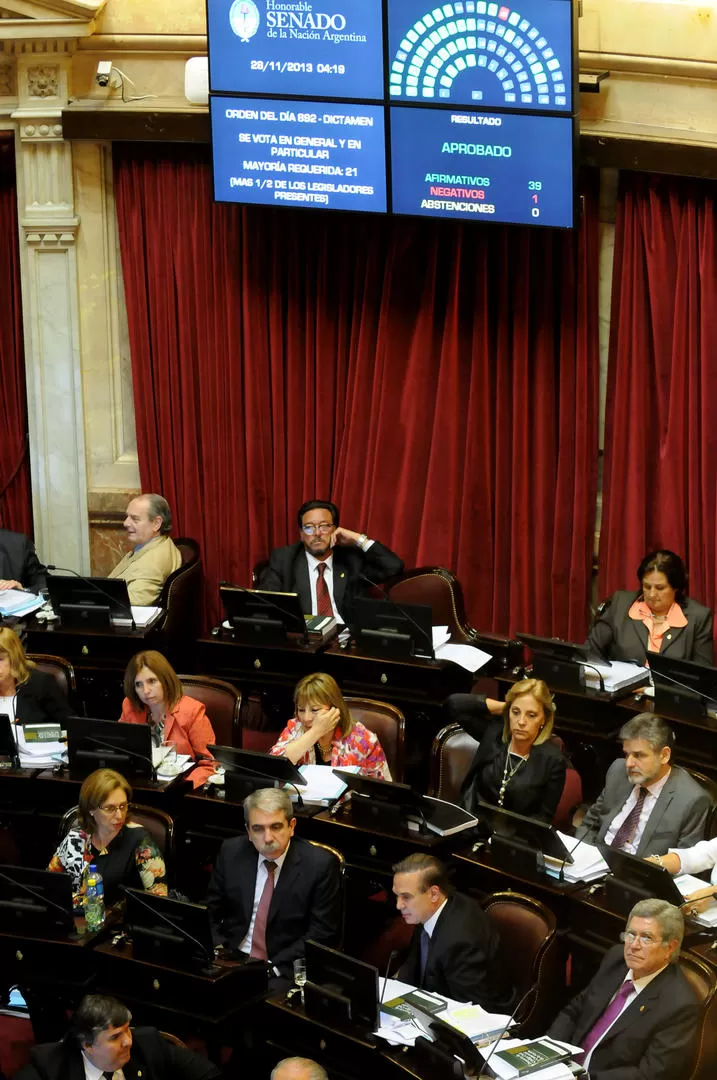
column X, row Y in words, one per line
column 425, row 942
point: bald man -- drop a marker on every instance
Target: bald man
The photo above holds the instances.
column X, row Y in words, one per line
column 298, row 1068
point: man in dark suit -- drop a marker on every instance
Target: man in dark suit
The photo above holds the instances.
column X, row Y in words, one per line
column 20, row 567
column 647, row 805
column 326, row 566
column 270, row 891
column 102, row 1042
column 454, row 948
column 639, row 1017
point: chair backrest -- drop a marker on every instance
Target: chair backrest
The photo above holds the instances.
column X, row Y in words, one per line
column 158, row 824
column 452, row 753
column 570, row 799
column 61, row 670
column 530, row 955
column 703, row 980
column 710, row 787
column 173, row 1039
column 222, row 702
column 181, row 592
column 342, row 874
column 441, row 590
column 386, row 722
column 257, row 570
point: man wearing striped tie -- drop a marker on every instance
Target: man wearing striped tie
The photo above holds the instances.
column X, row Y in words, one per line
column 648, row 805
column 639, row 1018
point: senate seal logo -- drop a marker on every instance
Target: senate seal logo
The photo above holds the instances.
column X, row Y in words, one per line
column 244, row 19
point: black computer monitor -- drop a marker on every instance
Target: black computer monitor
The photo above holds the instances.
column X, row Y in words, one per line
column 558, row 662
column 8, row 743
column 258, row 616
column 384, row 628
column 381, row 803
column 339, row 988
column 519, row 842
column 166, row 931
column 106, row 744
column 632, row 879
column 35, row 902
column 248, row 770
column 684, row 689
column 88, row 602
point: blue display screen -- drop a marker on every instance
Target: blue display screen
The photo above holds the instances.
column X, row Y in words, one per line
column 299, row 153
column 318, row 48
column 482, row 167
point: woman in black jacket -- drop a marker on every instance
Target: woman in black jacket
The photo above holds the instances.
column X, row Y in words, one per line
column 27, row 695
column 516, row 766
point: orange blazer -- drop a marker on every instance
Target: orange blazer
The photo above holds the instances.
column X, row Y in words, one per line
column 187, row 726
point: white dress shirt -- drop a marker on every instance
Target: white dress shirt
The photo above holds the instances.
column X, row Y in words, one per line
column 313, row 564
column 430, row 926
column 93, row 1073
column 261, row 876
column 640, row 985
column 647, row 807
column 699, row 857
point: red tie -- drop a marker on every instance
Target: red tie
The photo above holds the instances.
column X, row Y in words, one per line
column 627, row 830
column 323, row 599
column 258, row 940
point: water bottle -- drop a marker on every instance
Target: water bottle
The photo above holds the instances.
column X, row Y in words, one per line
column 94, row 899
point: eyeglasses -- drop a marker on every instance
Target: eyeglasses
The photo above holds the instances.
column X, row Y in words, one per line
column 310, row 530
column 645, row 939
column 118, row 808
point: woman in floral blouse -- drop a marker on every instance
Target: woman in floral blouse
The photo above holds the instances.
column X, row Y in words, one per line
column 124, row 853
column 323, row 732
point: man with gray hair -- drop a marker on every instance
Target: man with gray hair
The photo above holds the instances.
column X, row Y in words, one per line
column 299, row 1068
column 153, row 556
column 648, row 805
column 270, row 891
column 101, row 1044
column 639, row 1018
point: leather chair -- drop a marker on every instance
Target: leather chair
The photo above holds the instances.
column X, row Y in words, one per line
column 158, row 824
column 342, row 874
column 181, row 594
column 531, row 956
column 173, row 1039
column 711, row 788
column 61, row 670
column 441, row 590
column 222, row 702
column 703, row 980
column 388, row 723
column 257, row 570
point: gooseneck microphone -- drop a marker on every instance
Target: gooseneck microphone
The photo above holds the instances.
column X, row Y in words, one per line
column 98, row 588
column 391, row 957
column 260, row 595
column 399, row 607
column 170, row 922
column 121, row 752
column 483, row 1074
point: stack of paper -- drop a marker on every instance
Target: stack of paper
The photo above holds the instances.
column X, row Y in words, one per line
column 145, row 616
column 687, row 884
column 505, row 1071
column 38, row 755
column 17, row 602
column 323, row 787
column 587, row 865
column 466, row 656
column 616, row 676
column 480, row 1026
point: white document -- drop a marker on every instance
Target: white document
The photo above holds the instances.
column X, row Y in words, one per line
column 440, row 634
column 587, row 865
column 466, row 656
column 37, row 755
column 617, row 675
column 322, row 786
column 474, row 1021
column 688, row 883
column 18, row 602
column 143, row 616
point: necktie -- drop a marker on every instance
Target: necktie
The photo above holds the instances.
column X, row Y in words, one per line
column 628, row 828
column 613, row 1010
column 108, row 1075
column 258, row 940
column 425, row 942
column 323, row 600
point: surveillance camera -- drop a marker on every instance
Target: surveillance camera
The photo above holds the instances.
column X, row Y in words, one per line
column 104, row 70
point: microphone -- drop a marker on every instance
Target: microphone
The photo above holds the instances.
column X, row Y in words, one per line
column 346, row 797
column 483, row 1074
column 98, row 588
column 120, row 751
column 170, row 922
column 568, row 858
column 401, row 608
column 264, row 600
column 683, row 686
column 391, row 957
column 263, row 776
column 38, row 896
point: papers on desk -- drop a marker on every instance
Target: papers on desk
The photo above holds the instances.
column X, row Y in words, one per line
column 323, row 787
column 688, row 884
column 38, row 755
column 144, row 616
column 505, row 1071
column 471, row 1020
column 587, row 865
column 17, row 602
column 616, row 676
column 466, row 656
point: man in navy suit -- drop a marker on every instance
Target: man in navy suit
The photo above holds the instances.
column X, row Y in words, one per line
column 328, row 555
column 270, row 891
column 101, row 1042
column 20, row 567
column 639, row 1018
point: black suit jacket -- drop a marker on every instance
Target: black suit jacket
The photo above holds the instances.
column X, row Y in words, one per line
column 655, row 1038
column 19, row 562
column 618, row 637
column 153, row 1058
column 40, row 699
column 288, row 571
column 306, row 901
column 462, row 960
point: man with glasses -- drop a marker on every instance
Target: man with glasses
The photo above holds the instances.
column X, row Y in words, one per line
column 639, row 1017
column 330, row 565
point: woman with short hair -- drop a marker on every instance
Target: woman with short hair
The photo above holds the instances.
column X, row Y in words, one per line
column 27, row 695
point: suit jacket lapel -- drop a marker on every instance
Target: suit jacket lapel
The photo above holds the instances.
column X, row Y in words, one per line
column 285, row 885
column 301, row 579
column 340, row 571
column 598, row 1004
column 674, row 632
column 659, row 809
column 247, row 867
column 646, row 998
column 640, row 631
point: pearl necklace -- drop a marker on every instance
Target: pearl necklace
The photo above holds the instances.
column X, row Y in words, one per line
column 508, row 776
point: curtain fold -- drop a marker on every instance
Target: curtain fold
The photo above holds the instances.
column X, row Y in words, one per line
column 661, row 436
column 439, row 382
column 15, row 500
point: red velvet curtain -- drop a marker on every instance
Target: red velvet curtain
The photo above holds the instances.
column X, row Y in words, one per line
column 661, row 435
column 438, row 381
column 15, row 502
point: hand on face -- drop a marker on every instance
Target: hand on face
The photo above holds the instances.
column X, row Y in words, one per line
column 320, row 720
column 344, row 538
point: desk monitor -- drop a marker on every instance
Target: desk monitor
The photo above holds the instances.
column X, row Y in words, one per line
column 8, row 745
column 168, row 931
column 632, row 879
column 340, row 988
column 35, row 902
column 107, row 744
column 683, row 688
column 260, row 617
column 381, row 803
column 384, row 628
column 247, row 770
column 519, row 842
column 558, row 662
column 88, row 602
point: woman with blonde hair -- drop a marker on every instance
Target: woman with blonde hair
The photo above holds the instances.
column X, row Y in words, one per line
column 124, row 852
column 517, row 766
column 323, row 732
column 27, row 695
